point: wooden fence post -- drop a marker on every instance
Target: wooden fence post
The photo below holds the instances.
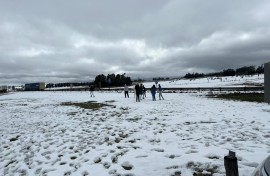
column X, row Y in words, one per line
column 230, row 163
column 267, row 82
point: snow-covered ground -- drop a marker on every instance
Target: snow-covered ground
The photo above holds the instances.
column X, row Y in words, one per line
column 183, row 133
column 228, row 81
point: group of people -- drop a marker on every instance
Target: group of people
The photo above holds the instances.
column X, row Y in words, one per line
column 140, row 92
column 155, row 89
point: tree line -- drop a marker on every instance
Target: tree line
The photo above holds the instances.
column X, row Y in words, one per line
column 246, row 70
column 111, row 80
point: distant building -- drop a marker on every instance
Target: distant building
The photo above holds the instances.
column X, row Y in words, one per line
column 267, row 82
column 18, row 88
column 34, row 86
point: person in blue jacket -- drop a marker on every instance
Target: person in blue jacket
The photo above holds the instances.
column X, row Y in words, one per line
column 153, row 92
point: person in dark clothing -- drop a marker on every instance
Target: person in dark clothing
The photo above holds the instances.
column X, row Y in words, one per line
column 143, row 92
column 92, row 88
column 126, row 91
column 137, row 90
column 153, row 92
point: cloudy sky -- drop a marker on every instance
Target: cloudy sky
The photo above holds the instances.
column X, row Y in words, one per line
column 68, row 40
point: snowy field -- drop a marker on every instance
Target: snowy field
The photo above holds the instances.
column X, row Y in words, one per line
column 228, row 81
column 184, row 133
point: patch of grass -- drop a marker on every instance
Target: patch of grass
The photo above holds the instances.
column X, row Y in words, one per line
column 14, row 138
column 73, row 157
column 251, row 97
column 72, row 113
column 213, row 157
column 199, row 169
column 86, row 105
column 110, row 101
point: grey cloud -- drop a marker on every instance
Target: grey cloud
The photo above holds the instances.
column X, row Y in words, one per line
column 67, row 40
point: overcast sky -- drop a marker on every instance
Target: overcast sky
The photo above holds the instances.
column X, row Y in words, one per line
column 75, row 40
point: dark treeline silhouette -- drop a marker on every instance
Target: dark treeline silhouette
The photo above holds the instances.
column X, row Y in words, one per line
column 100, row 81
column 194, row 75
column 112, row 80
column 250, row 70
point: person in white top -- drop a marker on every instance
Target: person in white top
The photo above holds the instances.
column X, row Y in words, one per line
column 160, row 92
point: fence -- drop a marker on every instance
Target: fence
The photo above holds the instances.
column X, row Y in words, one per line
column 174, row 89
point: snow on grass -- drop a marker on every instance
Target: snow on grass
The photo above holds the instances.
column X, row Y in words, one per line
column 228, row 81
column 185, row 133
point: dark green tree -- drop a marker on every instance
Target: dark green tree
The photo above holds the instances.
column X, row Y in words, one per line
column 260, row 69
column 112, row 80
column 228, row 72
column 100, row 80
column 246, row 70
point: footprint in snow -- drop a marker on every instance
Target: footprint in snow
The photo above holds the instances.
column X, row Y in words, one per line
column 97, row 160
column 141, row 156
column 127, row 165
column 172, row 156
column 158, row 150
column 191, row 151
column 85, row 173
column 106, row 165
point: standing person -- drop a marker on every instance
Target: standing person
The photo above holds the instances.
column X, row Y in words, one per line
column 134, row 90
column 144, row 92
column 141, row 91
column 126, row 91
column 137, row 90
column 153, row 92
column 160, row 92
column 92, row 88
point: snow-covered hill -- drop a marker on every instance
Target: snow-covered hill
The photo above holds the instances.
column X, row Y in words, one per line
column 213, row 82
